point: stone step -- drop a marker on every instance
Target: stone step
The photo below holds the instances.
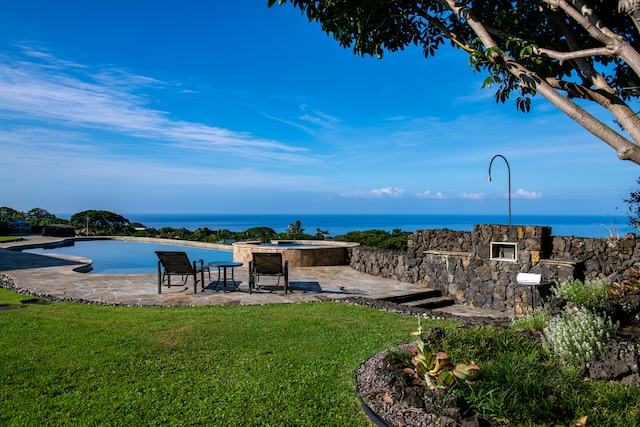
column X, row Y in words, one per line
column 401, row 297
column 421, row 298
column 433, row 302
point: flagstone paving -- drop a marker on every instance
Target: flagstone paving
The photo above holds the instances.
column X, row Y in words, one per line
column 54, row 276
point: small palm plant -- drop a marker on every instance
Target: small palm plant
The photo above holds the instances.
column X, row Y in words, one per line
column 295, row 228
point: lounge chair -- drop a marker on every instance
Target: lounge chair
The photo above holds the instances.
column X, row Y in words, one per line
column 268, row 264
column 174, row 263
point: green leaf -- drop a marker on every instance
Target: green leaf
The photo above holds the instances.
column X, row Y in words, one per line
column 487, row 82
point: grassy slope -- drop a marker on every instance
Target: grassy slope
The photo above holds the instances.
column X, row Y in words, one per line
column 289, row 364
column 77, row 364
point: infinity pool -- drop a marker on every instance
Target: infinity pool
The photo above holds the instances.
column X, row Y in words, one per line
column 126, row 257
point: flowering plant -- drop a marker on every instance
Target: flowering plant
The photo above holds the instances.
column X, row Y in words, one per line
column 575, row 338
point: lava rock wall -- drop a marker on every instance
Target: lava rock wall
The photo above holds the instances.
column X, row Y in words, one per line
column 471, row 266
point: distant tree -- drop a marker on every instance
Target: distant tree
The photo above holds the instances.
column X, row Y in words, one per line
column 321, row 234
column 397, row 240
column 297, row 236
column 221, row 235
column 264, row 234
column 6, row 212
column 396, row 232
column 177, row 233
column 99, row 221
column 38, row 216
column 201, row 234
column 295, row 228
column 138, row 229
column 574, row 53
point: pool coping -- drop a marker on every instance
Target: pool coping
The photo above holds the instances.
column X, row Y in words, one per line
column 57, row 277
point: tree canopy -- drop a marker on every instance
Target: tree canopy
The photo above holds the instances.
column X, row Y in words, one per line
column 574, row 53
column 7, row 212
column 99, row 221
column 39, row 216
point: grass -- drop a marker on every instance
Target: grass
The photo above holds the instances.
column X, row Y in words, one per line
column 72, row 364
column 5, row 239
column 17, row 300
column 535, row 321
column 289, row 364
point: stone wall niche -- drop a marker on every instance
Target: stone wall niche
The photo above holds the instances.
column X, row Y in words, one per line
column 504, row 251
column 522, row 244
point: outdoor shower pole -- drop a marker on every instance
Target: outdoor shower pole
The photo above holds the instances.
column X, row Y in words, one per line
column 509, row 178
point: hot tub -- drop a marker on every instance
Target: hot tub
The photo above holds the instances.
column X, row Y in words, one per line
column 300, row 253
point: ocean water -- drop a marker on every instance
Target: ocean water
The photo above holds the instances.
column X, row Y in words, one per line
column 562, row 225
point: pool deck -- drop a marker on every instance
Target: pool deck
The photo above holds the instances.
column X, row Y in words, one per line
column 54, row 276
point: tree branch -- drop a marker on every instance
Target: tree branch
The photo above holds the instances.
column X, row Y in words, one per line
column 584, row 65
column 568, row 56
column 419, row 11
column 586, row 17
column 575, row 90
column 626, row 149
column 627, row 118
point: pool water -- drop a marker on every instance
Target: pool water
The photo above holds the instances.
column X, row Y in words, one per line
column 125, row 257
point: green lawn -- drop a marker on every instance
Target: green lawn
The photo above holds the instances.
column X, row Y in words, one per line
column 72, row 364
column 5, row 239
column 277, row 365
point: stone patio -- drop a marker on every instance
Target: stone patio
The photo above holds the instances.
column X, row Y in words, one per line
column 54, row 276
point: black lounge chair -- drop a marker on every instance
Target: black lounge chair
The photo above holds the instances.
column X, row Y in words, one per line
column 174, row 263
column 268, row 264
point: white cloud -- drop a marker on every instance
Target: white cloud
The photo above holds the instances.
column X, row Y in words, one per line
column 320, row 119
column 61, row 93
column 524, row 194
column 473, row 196
column 430, row 195
column 380, row 192
column 389, row 191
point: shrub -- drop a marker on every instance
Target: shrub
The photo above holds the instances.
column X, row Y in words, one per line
column 592, row 294
column 575, row 338
column 396, row 240
column 264, row 234
column 292, row 236
column 536, row 321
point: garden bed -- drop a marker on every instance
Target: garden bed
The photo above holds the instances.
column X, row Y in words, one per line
column 391, row 396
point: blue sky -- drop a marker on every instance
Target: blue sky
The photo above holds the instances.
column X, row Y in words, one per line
column 232, row 107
